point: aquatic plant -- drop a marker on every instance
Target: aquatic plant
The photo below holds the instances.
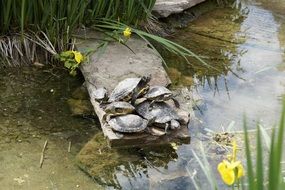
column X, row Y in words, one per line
column 149, row 38
column 271, row 177
column 259, row 175
column 71, row 60
column 38, row 29
column 231, row 170
column 25, row 25
column 127, row 32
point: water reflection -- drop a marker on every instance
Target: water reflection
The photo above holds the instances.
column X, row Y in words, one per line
column 247, row 52
column 246, row 49
column 247, row 46
column 133, row 168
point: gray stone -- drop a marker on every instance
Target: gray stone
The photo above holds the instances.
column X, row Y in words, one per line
column 116, row 63
column 164, row 8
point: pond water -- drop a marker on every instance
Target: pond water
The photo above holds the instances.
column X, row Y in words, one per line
column 246, row 46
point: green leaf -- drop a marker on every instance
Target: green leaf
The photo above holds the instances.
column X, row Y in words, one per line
column 73, row 72
column 68, row 64
column 250, row 174
column 259, row 161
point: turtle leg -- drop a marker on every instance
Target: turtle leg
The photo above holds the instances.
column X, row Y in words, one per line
column 134, row 96
column 176, row 103
column 106, row 117
column 151, row 105
column 166, row 127
column 174, row 124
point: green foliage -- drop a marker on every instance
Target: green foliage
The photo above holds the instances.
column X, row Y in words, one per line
column 59, row 18
column 167, row 44
column 259, row 174
column 274, row 178
column 71, row 60
column 51, row 24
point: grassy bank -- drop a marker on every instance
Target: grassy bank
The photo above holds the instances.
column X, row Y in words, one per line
column 27, row 27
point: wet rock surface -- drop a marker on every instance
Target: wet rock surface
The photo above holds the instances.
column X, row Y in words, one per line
column 164, row 8
column 129, row 66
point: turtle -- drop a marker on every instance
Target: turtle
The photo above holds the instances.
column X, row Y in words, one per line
column 162, row 114
column 160, row 94
column 129, row 123
column 119, row 108
column 101, row 95
column 130, row 89
column 116, row 109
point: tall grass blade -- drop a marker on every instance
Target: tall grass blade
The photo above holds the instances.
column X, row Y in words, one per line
column 206, row 168
column 23, row 15
column 259, row 161
column 250, row 174
column 276, row 153
column 265, row 136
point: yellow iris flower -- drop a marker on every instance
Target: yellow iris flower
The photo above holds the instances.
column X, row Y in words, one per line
column 78, row 56
column 127, row 32
column 233, row 170
column 230, row 171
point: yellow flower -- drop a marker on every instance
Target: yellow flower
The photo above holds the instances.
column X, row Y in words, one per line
column 127, row 32
column 78, row 56
column 240, row 171
column 233, row 170
column 227, row 174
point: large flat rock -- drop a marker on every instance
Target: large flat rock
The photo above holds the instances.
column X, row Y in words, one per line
column 164, row 8
column 116, row 63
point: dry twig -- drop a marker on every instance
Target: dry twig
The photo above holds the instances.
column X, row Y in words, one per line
column 43, row 154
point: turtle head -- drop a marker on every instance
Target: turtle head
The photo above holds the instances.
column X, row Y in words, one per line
column 143, row 85
column 119, row 108
column 143, row 90
column 146, row 79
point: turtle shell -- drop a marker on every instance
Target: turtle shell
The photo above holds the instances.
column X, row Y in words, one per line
column 128, row 123
column 100, row 94
column 124, row 89
column 160, row 111
column 119, row 108
column 157, row 92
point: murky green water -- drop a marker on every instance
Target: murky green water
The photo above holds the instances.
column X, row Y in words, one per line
column 247, row 47
column 34, row 108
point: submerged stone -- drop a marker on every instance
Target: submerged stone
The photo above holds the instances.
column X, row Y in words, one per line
column 80, row 107
column 101, row 162
column 164, row 8
column 80, row 93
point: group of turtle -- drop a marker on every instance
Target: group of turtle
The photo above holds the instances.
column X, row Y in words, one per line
column 134, row 105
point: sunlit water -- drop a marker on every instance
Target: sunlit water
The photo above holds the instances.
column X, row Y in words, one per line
column 251, row 46
column 249, row 43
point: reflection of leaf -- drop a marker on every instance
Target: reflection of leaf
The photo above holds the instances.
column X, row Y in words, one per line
column 174, row 146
